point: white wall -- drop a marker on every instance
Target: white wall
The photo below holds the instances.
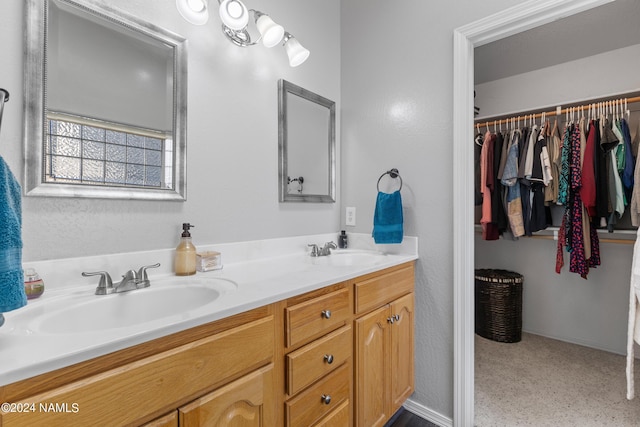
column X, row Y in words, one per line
column 232, row 139
column 573, row 81
column 565, row 306
column 397, row 86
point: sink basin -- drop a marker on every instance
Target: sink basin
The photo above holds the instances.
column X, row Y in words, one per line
column 175, row 296
column 348, row 258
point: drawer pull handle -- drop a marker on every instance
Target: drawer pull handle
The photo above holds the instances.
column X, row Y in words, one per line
column 328, row 358
column 326, row 314
column 391, row 319
column 326, row 399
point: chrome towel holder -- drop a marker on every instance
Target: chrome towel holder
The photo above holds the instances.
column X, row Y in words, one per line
column 393, row 173
column 4, row 97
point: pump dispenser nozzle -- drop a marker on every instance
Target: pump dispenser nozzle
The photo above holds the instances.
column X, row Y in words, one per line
column 186, row 227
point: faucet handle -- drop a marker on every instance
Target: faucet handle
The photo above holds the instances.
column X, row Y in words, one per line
column 105, row 285
column 142, row 272
column 315, row 251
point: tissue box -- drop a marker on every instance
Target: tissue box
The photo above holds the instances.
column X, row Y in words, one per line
column 207, row 261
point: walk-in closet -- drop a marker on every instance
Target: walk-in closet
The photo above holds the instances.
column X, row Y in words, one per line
column 572, row 84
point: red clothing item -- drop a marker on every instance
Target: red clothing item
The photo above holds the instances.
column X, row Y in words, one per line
column 588, row 190
column 487, row 185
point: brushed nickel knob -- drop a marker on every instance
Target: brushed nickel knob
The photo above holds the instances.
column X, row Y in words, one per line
column 326, row 314
column 328, row 358
column 391, row 319
column 326, row 399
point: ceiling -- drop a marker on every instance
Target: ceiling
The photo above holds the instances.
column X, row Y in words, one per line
column 608, row 27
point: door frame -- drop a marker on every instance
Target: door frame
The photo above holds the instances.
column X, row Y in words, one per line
column 508, row 22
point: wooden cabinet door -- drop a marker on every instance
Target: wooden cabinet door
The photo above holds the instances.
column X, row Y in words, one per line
column 338, row 418
column 169, row 420
column 243, row 403
column 372, row 368
column 402, row 351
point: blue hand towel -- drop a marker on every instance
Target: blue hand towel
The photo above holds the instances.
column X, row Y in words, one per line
column 12, row 294
column 387, row 218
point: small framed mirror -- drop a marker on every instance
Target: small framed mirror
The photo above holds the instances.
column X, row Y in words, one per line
column 105, row 104
column 306, row 145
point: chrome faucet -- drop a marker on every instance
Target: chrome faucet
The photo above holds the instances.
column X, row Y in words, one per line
column 326, row 249
column 130, row 280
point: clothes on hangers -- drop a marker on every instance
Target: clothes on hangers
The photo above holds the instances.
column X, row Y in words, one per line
column 589, row 167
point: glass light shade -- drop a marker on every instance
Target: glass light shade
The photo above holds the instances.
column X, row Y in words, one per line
column 295, row 51
column 234, row 14
column 271, row 32
column 194, row 11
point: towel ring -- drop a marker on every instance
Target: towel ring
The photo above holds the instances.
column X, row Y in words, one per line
column 393, row 173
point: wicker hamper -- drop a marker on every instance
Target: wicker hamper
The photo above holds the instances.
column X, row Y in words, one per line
column 498, row 305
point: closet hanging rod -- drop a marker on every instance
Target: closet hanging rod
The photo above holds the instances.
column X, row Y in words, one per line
column 578, row 106
column 600, row 239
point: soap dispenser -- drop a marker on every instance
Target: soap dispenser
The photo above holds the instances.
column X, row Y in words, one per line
column 342, row 240
column 185, row 253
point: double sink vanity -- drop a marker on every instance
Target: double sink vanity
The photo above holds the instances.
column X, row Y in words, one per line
column 277, row 337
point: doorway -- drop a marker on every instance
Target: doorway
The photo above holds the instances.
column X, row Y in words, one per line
column 520, row 18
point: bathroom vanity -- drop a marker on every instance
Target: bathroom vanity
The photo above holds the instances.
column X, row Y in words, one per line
column 338, row 353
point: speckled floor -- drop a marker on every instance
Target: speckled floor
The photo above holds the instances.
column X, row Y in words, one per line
column 545, row 382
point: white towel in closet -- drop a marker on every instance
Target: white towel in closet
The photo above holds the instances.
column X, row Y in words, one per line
column 633, row 331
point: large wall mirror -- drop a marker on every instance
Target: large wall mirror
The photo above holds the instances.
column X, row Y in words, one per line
column 307, row 145
column 105, row 104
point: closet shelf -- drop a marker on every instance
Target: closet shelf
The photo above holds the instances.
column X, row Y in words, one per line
column 551, row 233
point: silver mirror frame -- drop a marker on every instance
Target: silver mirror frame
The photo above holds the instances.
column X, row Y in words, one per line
column 35, row 29
column 285, row 87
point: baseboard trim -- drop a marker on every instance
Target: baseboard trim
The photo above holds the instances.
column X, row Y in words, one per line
column 428, row 414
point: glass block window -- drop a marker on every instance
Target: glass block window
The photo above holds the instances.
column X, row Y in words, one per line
column 80, row 150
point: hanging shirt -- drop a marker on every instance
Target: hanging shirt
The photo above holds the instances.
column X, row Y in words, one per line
column 563, row 182
column 629, row 161
column 554, row 146
column 617, row 166
column 489, row 229
column 510, row 181
column 588, row 176
column 477, row 149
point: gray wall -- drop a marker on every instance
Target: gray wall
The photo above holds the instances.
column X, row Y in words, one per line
column 397, row 87
column 232, row 139
column 565, row 306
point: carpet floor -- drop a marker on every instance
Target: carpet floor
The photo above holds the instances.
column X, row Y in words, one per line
column 544, row 382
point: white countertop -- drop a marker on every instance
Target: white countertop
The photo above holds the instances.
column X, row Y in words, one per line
column 261, row 279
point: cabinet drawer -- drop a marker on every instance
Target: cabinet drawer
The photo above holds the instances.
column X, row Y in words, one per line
column 377, row 291
column 320, row 399
column 313, row 361
column 155, row 384
column 316, row 317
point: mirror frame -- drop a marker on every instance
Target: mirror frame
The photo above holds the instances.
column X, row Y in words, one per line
column 35, row 63
column 284, row 88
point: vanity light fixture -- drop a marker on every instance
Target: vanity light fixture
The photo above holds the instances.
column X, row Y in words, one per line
column 235, row 25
